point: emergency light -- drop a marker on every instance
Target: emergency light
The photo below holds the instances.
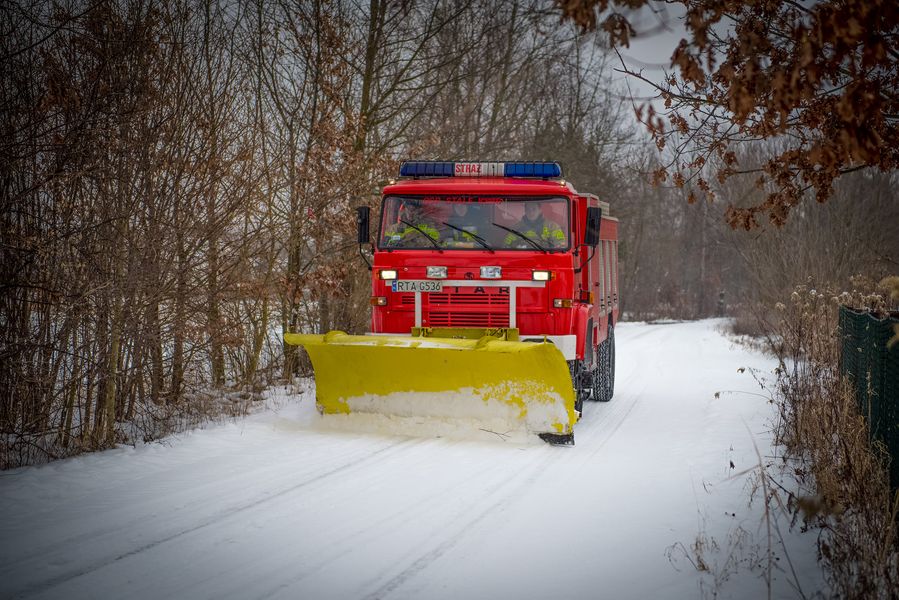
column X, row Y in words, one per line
column 433, row 168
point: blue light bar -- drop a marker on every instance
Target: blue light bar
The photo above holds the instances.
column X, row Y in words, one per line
column 426, row 168
column 430, row 168
column 533, row 169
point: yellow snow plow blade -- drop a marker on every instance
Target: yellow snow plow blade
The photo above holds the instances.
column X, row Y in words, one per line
column 487, row 380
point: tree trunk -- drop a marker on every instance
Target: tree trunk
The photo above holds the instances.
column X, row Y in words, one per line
column 65, row 432
column 154, row 340
column 85, row 432
column 179, row 324
column 213, row 315
column 108, row 421
column 376, row 9
column 290, row 313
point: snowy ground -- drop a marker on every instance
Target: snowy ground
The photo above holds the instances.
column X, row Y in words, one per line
column 274, row 507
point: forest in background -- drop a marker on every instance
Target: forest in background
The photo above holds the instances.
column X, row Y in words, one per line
column 179, row 177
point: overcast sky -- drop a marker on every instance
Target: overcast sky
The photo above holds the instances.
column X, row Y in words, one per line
column 659, row 30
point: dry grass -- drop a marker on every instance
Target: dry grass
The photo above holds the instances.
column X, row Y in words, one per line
column 749, row 320
column 844, row 478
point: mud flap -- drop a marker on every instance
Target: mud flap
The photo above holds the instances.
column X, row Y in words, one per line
column 520, row 384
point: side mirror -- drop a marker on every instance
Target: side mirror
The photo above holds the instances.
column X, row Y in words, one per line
column 591, row 232
column 362, row 224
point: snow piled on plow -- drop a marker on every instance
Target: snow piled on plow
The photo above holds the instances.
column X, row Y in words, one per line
column 463, row 414
column 429, row 427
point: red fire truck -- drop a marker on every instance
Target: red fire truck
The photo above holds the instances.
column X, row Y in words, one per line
column 494, row 296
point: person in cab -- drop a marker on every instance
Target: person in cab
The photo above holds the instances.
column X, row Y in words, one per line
column 414, row 228
column 463, row 224
column 534, row 226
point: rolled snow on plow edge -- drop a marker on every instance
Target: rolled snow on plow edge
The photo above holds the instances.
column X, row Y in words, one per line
column 493, row 423
column 522, row 385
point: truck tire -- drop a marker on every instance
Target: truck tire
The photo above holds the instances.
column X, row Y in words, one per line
column 610, row 362
column 597, row 375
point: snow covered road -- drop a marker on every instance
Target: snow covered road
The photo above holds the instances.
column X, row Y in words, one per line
column 274, row 507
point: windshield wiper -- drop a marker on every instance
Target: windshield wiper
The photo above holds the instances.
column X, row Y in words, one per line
column 522, row 236
column 473, row 236
column 416, row 228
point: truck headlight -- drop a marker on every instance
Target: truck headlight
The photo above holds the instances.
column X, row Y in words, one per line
column 491, row 272
column 541, row 275
column 388, row 273
column 436, row 272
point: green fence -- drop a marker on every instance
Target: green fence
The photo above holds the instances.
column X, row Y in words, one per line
column 874, row 373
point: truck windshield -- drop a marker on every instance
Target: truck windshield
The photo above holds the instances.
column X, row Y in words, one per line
column 474, row 222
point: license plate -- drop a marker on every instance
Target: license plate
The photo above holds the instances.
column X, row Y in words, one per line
column 417, row 285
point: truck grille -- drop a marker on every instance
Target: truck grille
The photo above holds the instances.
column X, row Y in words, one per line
column 467, row 309
column 444, row 299
column 468, row 319
column 463, row 309
column 468, row 300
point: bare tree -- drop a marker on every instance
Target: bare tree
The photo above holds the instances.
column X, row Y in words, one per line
column 822, row 79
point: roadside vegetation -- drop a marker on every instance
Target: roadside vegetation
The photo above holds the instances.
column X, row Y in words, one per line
column 843, row 483
column 178, row 181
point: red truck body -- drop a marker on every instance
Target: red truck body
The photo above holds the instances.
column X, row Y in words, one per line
column 574, row 309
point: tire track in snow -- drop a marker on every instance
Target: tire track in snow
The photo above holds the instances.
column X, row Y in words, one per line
column 465, row 527
column 417, row 507
column 602, row 417
column 604, row 420
column 118, row 527
column 62, row 578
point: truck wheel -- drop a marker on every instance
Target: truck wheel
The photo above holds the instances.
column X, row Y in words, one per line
column 597, row 375
column 608, row 366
